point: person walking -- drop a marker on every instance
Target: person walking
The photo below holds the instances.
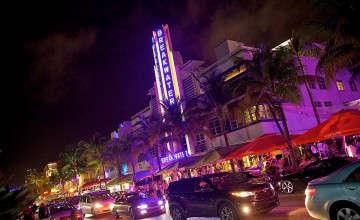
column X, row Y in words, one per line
column 42, row 211
column 28, row 214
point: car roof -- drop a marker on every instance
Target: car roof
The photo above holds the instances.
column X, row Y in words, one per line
column 97, row 193
column 339, row 175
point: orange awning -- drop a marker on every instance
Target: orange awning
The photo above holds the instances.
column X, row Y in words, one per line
column 263, row 144
column 343, row 123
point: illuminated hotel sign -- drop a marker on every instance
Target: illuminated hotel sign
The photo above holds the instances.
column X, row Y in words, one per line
column 164, row 66
column 174, row 157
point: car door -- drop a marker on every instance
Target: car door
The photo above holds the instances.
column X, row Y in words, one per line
column 83, row 205
column 202, row 200
column 351, row 186
column 311, row 172
column 121, row 205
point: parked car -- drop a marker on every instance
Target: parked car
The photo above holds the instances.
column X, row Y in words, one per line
column 259, row 177
column 64, row 210
column 137, row 205
column 336, row 196
column 225, row 195
column 96, row 202
column 298, row 181
column 75, row 200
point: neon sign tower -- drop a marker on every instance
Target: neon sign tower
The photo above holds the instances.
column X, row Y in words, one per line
column 164, row 68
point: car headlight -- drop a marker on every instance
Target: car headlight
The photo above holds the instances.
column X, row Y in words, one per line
column 142, row 206
column 242, row 194
column 161, row 202
column 111, row 206
column 98, row 205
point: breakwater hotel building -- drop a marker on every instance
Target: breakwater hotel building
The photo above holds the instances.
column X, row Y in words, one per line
column 174, row 79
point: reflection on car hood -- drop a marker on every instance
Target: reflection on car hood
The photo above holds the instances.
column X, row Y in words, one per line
column 66, row 213
column 144, row 201
column 290, row 176
column 247, row 186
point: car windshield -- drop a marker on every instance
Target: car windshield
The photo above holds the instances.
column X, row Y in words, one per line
column 134, row 196
column 60, row 208
column 100, row 197
column 226, row 179
column 73, row 200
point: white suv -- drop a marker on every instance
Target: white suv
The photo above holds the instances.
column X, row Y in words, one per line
column 96, row 202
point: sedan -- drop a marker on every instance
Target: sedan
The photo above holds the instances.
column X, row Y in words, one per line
column 137, row 205
column 64, row 210
column 298, row 181
column 336, row 196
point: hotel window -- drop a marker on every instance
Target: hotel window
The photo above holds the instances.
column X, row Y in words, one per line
column 200, row 139
column 153, row 151
column 352, row 86
column 263, row 112
column 312, row 85
column 327, row 104
column 317, row 104
column 322, row 84
column 235, row 124
column 340, row 85
column 183, row 143
column 215, row 126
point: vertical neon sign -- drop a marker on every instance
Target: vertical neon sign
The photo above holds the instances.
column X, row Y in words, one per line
column 164, row 65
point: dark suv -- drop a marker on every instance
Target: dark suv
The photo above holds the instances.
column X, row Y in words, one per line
column 225, row 195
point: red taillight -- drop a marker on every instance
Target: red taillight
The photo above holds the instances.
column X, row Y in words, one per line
column 310, row 191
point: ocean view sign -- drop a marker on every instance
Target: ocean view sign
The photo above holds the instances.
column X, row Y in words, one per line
column 174, row 157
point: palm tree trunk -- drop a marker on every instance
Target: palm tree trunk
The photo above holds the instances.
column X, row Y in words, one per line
column 103, row 167
column 223, row 129
column 158, row 157
column 133, row 167
column 288, row 139
column 273, row 114
column 309, row 90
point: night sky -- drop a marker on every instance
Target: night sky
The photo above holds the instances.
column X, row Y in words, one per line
column 73, row 68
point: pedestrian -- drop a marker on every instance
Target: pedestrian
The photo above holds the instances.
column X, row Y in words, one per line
column 314, row 150
column 159, row 189
column 165, row 186
column 351, row 150
column 28, row 214
column 42, row 211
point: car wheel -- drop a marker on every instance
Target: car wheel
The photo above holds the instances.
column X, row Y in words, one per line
column 345, row 211
column 93, row 213
column 176, row 213
column 116, row 215
column 287, row 186
column 226, row 212
column 132, row 213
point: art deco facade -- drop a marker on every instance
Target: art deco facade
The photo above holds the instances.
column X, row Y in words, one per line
column 328, row 98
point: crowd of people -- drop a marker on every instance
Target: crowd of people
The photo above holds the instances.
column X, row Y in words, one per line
column 156, row 188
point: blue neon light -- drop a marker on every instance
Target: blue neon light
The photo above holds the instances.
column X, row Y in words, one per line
column 165, row 67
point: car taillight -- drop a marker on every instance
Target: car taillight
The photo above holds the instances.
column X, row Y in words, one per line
column 310, row 191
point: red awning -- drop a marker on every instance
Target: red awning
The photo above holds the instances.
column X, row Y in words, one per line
column 263, row 144
column 343, row 123
column 93, row 183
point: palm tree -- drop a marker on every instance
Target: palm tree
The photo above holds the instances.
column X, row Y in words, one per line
column 124, row 147
column 72, row 162
column 274, row 79
column 299, row 47
column 97, row 153
column 215, row 102
column 150, row 134
column 339, row 34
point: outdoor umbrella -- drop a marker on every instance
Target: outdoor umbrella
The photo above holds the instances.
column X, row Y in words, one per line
column 263, row 144
column 343, row 123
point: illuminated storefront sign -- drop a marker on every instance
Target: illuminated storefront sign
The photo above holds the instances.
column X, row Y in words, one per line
column 174, row 157
column 164, row 65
